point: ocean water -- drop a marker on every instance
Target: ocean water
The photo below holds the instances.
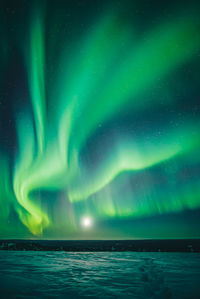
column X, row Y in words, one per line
column 33, row 274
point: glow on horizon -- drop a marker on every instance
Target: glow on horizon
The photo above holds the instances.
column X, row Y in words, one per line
column 86, row 222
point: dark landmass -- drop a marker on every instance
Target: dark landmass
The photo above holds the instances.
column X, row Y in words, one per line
column 171, row 245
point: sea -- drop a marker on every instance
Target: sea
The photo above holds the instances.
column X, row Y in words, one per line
column 35, row 274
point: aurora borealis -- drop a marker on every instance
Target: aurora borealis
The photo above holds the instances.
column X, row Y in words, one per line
column 100, row 118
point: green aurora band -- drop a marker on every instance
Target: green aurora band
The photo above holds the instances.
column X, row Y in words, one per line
column 114, row 72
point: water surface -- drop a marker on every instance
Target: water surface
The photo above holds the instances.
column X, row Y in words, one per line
column 97, row 275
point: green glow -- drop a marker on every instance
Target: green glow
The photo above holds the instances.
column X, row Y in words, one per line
column 5, row 194
column 36, row 66
column 105, row 73
column 133, row 156
column 175, row 43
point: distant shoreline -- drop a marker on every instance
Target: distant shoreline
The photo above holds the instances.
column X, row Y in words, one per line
column 147, row 245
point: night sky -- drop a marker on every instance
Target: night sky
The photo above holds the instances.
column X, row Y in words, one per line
column 99, row 119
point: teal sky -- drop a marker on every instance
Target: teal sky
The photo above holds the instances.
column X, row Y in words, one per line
column 99, row 119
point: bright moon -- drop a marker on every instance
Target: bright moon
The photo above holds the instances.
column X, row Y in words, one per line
column 86, row 222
